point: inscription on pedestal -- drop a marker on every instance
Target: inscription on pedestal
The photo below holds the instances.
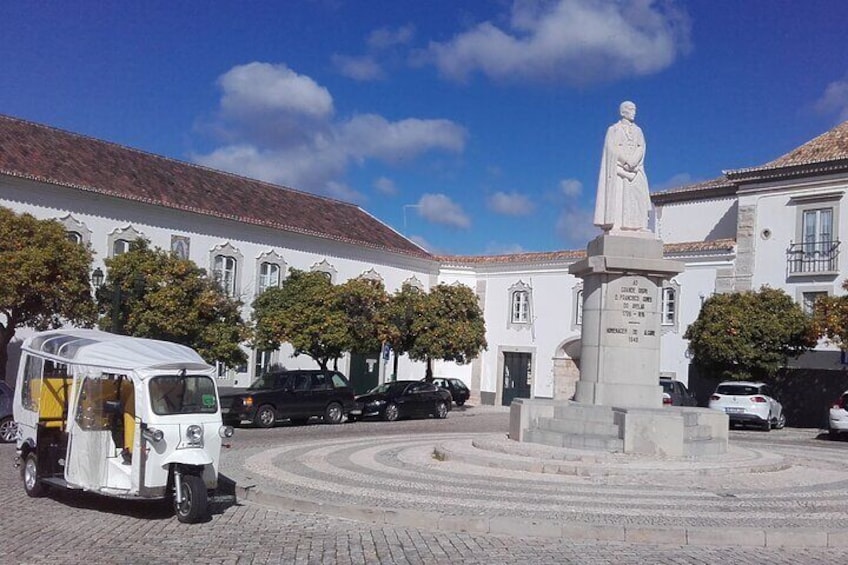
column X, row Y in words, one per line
column 630, row 314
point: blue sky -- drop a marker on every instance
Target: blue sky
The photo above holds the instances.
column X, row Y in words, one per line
column 474, row 127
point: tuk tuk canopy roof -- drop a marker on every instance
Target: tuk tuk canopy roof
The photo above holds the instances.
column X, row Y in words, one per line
column 103, row 349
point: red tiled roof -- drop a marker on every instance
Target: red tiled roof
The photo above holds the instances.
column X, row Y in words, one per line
column 54, row 156
column 831, row 146
column 716, row 187
column 571, row 255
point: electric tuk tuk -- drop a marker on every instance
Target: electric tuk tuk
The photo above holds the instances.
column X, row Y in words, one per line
column 120, row 416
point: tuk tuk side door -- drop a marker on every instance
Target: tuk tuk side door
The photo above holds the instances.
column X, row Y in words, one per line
column 92, row 451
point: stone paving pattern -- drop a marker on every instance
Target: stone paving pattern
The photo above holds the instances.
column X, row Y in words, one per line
column 74, row 527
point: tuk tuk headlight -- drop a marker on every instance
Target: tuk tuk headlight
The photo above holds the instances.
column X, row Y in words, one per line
column 226, row 432
column 194, row 435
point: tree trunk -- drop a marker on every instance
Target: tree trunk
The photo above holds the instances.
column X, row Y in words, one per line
column 428, row 376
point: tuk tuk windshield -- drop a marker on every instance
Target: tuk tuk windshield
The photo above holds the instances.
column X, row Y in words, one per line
column 177, row 394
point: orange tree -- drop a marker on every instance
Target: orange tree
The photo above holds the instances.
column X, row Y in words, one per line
column 448, row 325
column 830, row 318
column 743, row 335
column 152, row 293
column 45, row 278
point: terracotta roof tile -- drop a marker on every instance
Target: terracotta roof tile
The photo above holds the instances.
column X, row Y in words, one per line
column 572, row 255
column 829, row 147
column 50, row 155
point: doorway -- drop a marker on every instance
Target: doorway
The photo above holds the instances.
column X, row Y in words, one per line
column 516, row 376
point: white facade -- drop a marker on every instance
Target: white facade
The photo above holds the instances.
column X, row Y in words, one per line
column 746, row 229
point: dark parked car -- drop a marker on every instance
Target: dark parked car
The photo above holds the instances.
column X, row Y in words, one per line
column 401, row 399
column 675, row 393
column 295, row 395
column 8, row 428
column 456, row 387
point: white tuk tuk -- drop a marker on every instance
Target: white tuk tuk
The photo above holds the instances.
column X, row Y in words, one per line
column 120, row 416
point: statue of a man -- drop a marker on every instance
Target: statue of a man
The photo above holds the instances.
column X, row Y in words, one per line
column 622, row 202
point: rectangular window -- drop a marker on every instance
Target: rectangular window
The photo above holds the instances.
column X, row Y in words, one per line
column 225, row 273
column 269, row 276
column 31, row 390
column 120, row 246
column 578, row 315
column 818, row 230
column 263, row 361
column 669, row 306
column 520, row 307
column 808, row 301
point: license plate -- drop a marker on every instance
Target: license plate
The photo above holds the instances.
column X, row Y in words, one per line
column 734, row 410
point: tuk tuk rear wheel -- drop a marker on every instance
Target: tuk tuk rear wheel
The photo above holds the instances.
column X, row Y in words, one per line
column 195, row 500
column 29, row 473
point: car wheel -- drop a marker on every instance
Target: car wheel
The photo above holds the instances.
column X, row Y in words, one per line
column 460, row 402
column 767, row 424
column 265, row 417
column 333, row 414
column 391, row 413
column 441, row 410
column 832, row 434
column 195, row 499
column 781, row 421
column 8, row 430
column 29, row 472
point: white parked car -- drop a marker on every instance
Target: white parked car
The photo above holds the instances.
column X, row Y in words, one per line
column 747, row 402
column 838, row 417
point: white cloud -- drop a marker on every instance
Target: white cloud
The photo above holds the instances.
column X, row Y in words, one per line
column 834, row 100
column 387, row 37
column 575, row 41
column 358, row 68
column 259, row 88
column 386, row 186
column 575, row 227
column 283, row 131
column 511, row 204
column 440, row 209
column 571, row 187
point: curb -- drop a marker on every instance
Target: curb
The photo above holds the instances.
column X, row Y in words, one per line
column 576, row 531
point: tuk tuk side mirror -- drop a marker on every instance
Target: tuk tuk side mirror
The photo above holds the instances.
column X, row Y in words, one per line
column 112, row 407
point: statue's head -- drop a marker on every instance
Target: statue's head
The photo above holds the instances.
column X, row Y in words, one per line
column 627, row 110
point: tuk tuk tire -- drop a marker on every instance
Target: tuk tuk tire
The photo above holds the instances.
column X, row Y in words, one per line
column 265, row 417
column 195, row 502
column 29, row 473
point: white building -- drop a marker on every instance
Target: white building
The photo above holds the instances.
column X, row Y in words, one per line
column 777, row 224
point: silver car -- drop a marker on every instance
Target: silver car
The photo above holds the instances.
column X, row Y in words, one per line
column 8, row 428
column 747, row 402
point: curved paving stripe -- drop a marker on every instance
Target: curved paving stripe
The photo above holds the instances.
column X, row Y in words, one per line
column 470, row 485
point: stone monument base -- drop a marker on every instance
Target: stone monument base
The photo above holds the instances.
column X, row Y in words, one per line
column 673, row 431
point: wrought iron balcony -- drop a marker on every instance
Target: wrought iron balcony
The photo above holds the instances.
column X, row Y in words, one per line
column 813, row 257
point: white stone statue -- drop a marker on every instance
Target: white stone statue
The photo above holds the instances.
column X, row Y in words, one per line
column 622, row 202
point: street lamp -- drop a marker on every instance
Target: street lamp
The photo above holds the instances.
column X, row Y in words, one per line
column 97, row 278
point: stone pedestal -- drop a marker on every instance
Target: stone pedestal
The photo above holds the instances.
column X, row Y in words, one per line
column 618, row 404
column 620, row 355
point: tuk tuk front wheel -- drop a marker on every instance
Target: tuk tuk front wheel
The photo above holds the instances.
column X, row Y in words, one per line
column 194, row 504
column 29, row 473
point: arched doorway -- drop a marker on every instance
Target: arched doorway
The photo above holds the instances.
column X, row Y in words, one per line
column 566, row 369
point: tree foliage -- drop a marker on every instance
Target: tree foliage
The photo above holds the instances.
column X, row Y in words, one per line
column 305, row 312
column 364, row 303
column 152, row 293
column 749, row 334
column 401, row 311
column 45, row 278
column 449, row 325
column 830, row 318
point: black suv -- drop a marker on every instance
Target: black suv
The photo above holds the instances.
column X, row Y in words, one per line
column 295, row 395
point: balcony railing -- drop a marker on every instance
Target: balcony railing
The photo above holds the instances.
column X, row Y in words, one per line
column 813, row 257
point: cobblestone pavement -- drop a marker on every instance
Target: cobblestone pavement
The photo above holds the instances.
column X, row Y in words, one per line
column 73, row 527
